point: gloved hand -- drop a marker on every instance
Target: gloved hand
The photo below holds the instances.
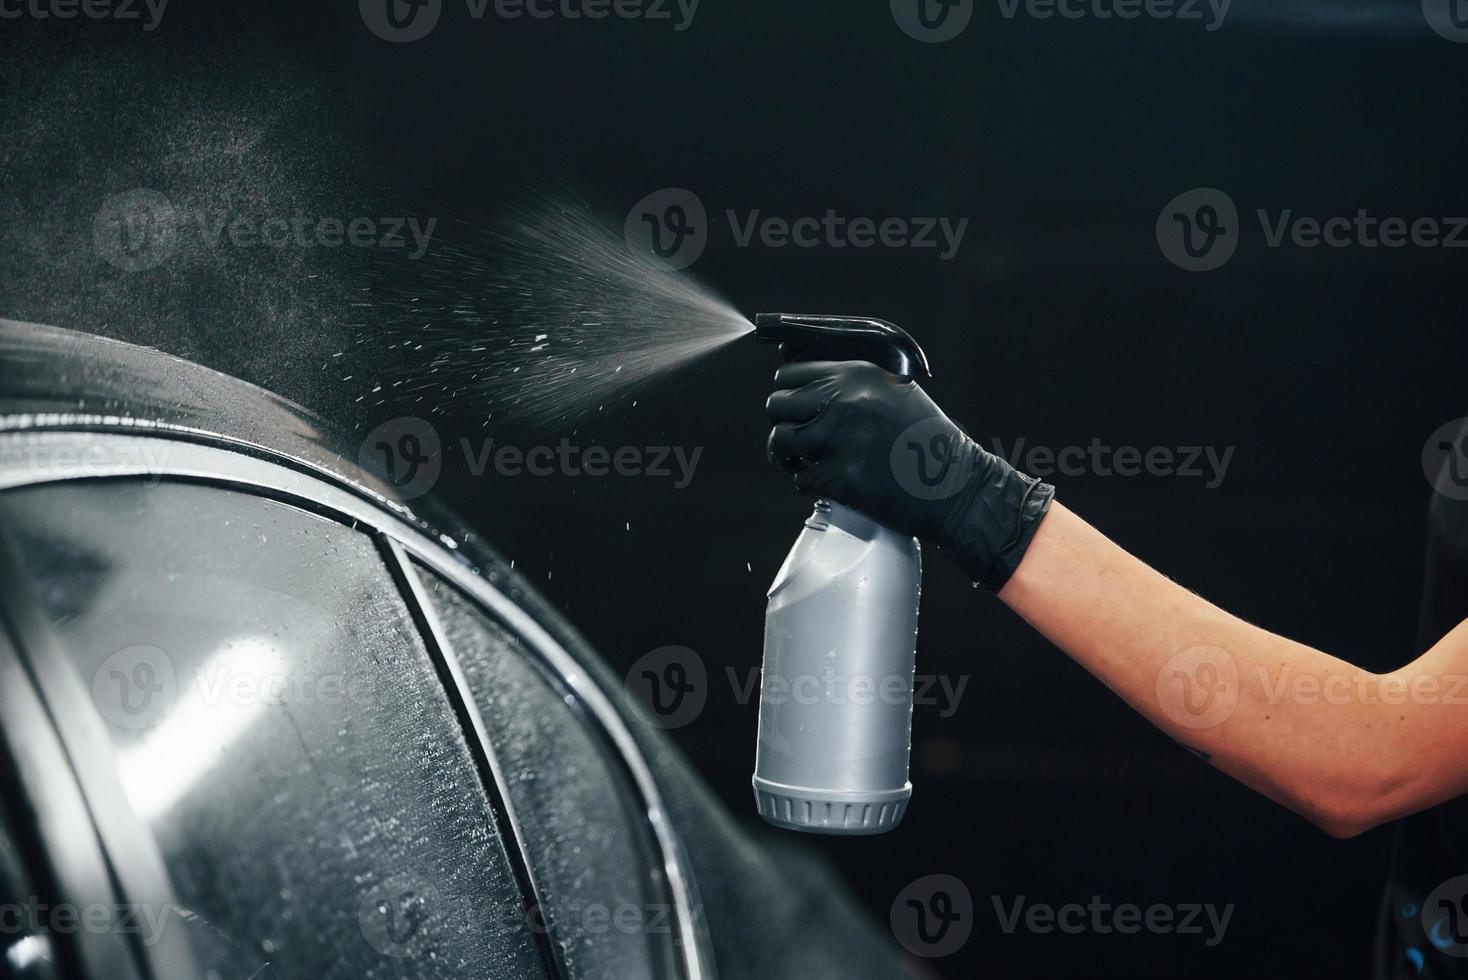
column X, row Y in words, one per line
column 856, row 434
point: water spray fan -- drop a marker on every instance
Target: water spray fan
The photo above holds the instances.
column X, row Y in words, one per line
column 835, row 718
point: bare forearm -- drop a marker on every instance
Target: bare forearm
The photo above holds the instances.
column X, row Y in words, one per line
column 1309, row 730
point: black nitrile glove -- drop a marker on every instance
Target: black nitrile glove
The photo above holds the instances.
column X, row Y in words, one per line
column 856, row 434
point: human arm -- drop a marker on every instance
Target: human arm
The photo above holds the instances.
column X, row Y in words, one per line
column 1346, row 748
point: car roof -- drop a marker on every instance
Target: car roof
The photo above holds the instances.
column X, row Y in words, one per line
column 53, row 378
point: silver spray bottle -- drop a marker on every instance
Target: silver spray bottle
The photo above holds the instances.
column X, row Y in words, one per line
column 835, row 718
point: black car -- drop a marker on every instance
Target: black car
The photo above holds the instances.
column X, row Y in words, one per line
column 261, row 718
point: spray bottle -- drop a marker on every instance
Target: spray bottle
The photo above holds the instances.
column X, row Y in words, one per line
column 835, row 719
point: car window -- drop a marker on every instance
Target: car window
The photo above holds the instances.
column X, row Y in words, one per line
column 585, row 832
column 279, row 726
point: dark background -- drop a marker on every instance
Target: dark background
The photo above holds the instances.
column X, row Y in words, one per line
column 1058, row 322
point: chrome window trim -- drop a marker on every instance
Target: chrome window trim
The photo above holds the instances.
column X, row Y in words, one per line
column 33, row 457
